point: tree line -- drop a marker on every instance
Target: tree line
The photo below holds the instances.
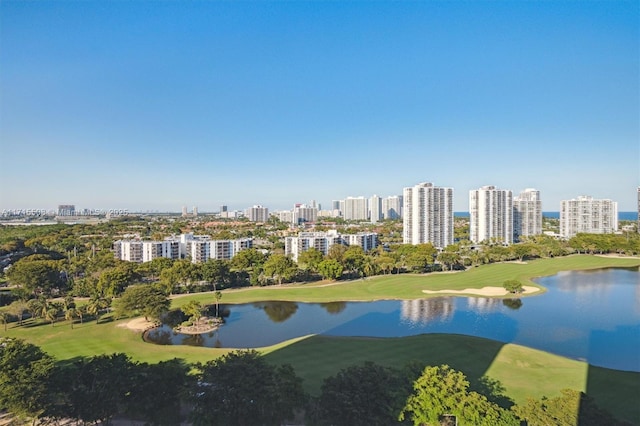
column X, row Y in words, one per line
column 243, row 388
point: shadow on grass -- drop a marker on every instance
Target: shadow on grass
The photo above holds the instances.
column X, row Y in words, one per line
column 615, row 391
column 318, row 357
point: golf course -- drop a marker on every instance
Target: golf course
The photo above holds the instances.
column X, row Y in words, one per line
column 524, row 372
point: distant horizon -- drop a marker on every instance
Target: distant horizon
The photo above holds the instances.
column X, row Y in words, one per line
column 158, row 105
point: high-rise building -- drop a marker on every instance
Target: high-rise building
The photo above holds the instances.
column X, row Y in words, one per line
column 638, row 209
column 491, row 215
column 527, row 214
column 588, row 215
column 258, row 214
column 355, row 208
column 66, row 210
column 195, row 211
column 304, row 214
column 184, row 211
column 375, row 209
column 428, row 215
column 392, row 207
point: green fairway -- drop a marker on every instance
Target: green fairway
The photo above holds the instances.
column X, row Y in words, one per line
column 523, row 371
column 410, row 286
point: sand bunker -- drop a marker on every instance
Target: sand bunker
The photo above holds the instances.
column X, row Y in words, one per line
column 485, row 291
column 138, row 324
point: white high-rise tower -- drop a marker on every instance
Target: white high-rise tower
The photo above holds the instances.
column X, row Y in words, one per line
column 428, row 215
column 588, row 215
column 527, row 214
column 491, row 214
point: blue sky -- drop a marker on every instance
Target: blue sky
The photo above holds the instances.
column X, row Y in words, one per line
column 156, row 105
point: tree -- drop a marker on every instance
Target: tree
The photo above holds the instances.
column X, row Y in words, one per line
column 92, row 390
column 513, row 286
column 18, row 308
column 69, row 315
column 4, row 319
column 241, row 388
column 158, row 390
column 147, row 300
column 193, row 310
column 386, row 263
column 35, row 275
column 112, row 282
column 443, row 392
column 309, row 259
column 361, row 395
column 217, row 295
column 353, row 260
column 96, row 305
column 421, row 256
column 336, row 252
column 280, row 267
column 449, row 259
column 51, row 314
column 330, row 269
column 25, row 378
column 216, row 272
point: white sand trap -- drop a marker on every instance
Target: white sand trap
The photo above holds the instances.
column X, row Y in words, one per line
column 484, row 291
column 138, row 324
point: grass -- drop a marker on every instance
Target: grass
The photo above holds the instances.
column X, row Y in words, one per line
column 523, row 371
column 410, row 286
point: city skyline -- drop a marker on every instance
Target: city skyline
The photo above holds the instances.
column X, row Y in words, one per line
column 158, row 105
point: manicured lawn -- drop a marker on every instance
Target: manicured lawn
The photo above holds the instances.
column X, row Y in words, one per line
column 90, row 339
column 409, row 286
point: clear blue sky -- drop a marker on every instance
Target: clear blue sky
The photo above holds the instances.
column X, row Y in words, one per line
column 156, row 105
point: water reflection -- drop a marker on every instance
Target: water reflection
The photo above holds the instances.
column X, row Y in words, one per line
column 193, row 340
column 423, row 311
column 278, row 311
column 159, row 336
column 334, row 307
column 514, row 304
column 483, row 304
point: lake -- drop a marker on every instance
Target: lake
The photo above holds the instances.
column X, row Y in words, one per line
column 586, row 315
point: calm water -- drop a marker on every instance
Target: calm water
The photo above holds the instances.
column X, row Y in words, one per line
column 592, row 316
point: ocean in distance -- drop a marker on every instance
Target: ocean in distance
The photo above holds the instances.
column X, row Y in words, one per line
column 556, row 215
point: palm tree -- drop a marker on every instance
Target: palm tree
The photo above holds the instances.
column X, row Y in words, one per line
column 96, row 305
column 69, row 315
column 218, row 296
column 4, row 318
column 51, row 314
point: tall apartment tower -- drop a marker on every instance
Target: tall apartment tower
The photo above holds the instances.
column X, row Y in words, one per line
column 490, row 214
column 375, row 209
column 527, row 214
column 587, row 215
column 392, row 207
column 258, row 214
column 428, row 215
column 355, row 208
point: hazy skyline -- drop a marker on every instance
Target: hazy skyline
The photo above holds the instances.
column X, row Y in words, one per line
column 159, row 105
